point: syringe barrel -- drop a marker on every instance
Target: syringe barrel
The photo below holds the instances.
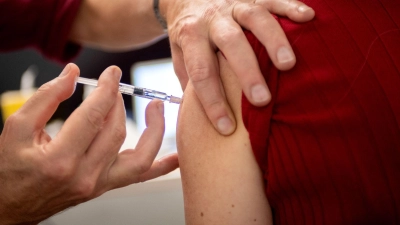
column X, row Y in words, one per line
column 137, row 91
column 148, row 93
column 126, row 89
column 142, row 92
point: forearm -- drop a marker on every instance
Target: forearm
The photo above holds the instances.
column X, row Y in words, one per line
column 116, row 25
column 221, row 180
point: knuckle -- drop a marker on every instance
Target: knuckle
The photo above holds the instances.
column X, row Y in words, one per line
column 119, row 134
column 226, row 37
column 250, row 13
column 13, row 122
column 15, row 127
column 48, row 87
column 45, row 88
column 52, row 169
column 187, row 28
column 85, row 188
column 95, row 118
column 59, row 173
column 199, row 73
column 53, row 90
column 215, row 107
column 144, row 166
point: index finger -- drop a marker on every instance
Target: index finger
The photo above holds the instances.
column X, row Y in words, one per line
column 202, row 68
column 86, row 121
column 242, row 59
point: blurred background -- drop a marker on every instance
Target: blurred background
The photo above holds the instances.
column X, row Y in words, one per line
column 91, row 63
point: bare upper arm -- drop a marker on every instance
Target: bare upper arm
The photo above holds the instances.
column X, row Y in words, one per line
column 221, row 180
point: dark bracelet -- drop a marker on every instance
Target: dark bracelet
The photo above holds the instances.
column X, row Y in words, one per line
column 158, row 16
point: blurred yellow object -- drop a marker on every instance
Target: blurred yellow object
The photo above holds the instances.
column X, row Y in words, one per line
column 11, row 101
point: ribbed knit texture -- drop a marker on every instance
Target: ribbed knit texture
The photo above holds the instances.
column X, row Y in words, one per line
column 329, row 142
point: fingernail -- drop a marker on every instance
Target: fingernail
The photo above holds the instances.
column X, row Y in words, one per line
column 259, row 93
column 284, row 55
column 303, row 8
column 117, row 72
column 225, row 125
column 65, row 70
column 160, row 107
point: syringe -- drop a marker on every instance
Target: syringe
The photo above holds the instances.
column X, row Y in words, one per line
column 136, row 91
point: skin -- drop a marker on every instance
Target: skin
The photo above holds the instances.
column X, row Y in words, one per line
column 41, row 176
column 222, row 183
column 197, row 29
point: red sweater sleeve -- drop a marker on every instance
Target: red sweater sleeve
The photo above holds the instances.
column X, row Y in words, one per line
column 41, row 24
column 329, row 142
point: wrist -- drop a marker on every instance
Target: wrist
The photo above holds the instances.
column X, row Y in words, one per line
column 116, row 25
column 160, row 17
column 85, row 27
column 165, row 10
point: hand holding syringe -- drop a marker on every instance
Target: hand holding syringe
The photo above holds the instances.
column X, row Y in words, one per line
column 136, row 91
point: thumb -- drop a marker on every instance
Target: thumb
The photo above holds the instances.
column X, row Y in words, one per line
column 37, row 111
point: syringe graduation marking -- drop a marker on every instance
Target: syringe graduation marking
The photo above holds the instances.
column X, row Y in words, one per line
column 138, row 91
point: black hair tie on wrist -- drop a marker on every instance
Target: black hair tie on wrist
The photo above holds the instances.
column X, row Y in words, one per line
column 159, row 17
